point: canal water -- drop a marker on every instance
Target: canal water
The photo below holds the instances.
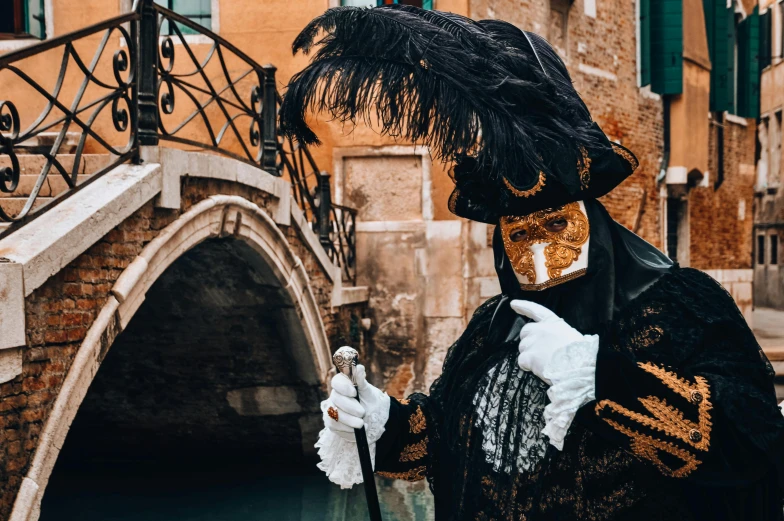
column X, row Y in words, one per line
column 125, row 492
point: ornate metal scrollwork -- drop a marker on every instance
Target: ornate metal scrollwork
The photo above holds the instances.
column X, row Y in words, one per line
column 141, row 98
column 120, row 116
column 167, row 54
column 167, row 97
column 9, row 126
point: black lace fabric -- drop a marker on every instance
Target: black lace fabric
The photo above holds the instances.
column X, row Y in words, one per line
column 486, row 460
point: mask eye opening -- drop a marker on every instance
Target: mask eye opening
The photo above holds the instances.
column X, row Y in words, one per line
column 556, row 223
column 518, row 234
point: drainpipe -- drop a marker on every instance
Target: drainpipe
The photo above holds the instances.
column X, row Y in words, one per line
column 665, row 162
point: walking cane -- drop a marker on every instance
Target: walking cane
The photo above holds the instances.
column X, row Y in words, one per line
column 346, row 359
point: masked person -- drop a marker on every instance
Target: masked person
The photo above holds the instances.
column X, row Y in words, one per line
column 604, row 383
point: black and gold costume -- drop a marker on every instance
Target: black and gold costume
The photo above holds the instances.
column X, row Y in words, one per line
column 685, row 424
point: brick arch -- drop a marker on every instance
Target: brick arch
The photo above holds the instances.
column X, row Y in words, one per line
column 214, row 217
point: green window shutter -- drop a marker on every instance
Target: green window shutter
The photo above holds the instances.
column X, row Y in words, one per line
column 720, row 22
column 765, row 44
column 730, row 42
column 748, row 66
column 666, row 22
column 645, row 42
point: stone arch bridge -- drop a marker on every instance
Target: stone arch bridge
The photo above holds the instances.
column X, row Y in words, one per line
column 161, row 299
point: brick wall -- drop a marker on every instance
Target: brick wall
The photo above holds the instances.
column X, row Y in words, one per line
column 721, row 219
column 59, row 313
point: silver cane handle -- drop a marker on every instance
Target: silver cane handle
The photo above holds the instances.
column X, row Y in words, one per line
column 346, row 359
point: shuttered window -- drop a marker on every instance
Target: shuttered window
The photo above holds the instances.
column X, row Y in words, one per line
column 748, row 79
column 199, row 11
column 720, row 25
column 666, row 54
column 645, row 42
column 22, row 19
column 765, row 43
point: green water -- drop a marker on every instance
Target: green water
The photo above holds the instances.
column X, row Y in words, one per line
column 222, row 495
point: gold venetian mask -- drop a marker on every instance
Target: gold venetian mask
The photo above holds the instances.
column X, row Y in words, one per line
column 545, row 247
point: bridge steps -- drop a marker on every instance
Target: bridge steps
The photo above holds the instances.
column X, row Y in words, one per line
column 14, row 205
column 30, row 167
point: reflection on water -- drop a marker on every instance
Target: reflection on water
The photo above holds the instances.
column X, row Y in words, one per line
column 117, row 493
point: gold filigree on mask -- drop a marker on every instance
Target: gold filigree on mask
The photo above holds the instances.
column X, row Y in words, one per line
column 564, row 246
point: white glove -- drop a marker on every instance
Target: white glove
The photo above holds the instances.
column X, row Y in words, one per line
column 336, row 444
column 563, row 358
column 540, row 339
column 351, row 413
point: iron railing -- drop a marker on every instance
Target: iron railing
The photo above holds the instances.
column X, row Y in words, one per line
column 310, row 187
column 152, row 89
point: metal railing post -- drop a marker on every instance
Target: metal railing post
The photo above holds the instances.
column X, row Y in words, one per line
column 269, row 125
column 324, row 210
column 148, row 75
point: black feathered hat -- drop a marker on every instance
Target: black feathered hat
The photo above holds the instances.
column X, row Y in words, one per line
column 495, row 101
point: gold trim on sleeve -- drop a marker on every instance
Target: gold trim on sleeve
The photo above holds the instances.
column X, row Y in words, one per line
column 665, row 417
column 648, row 448
column 415, row 451
column 417, row 421
column 417, row 474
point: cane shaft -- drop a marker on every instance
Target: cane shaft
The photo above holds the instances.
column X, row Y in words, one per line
column 367, row 474
column 346, row 359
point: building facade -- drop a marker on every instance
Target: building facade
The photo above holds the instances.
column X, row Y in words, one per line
column 673, row 80
column 676, row 81
column 769, row 199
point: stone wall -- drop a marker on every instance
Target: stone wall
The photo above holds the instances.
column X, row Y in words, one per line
column 59, row 313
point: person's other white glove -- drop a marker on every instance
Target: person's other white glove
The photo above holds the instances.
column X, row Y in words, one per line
column 352, row 414
column 540, row 339
column 342, row 414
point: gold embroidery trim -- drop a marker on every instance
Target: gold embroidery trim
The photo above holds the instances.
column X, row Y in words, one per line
column 531, row 191
column 620, row 151
column 647, row 337
column 417, row 421
column 415, row 451
column 647, row 448
column 404, row 401
column 668, row 419
column 453, row 201
column 416, row 474
column 584, row 169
